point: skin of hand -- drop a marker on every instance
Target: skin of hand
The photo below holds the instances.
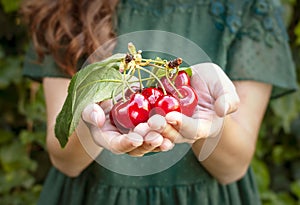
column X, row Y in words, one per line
column 227, row 134
column 217, row 97
column 137, row 142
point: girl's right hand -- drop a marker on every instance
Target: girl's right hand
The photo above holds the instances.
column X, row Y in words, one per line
column 137, row 142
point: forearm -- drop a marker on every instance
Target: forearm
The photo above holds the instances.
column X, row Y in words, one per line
column 73, row 158
column 231, row 158
column 79, row 152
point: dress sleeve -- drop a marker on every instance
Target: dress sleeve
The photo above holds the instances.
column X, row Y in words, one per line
column 36, row 70
column 261, row 50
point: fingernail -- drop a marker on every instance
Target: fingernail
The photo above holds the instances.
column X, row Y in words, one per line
column 94, row 118
column 157, row 122
column 173, row 118
column 172, row 122
column 166, row 146
column 153, row 139
column 135, row 140
column 226, row 108
column 151, row 136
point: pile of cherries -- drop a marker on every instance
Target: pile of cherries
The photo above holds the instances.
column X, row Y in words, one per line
column 171, row 94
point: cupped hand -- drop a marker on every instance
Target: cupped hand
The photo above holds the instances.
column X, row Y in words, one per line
column 217, row 98
column 136, row 142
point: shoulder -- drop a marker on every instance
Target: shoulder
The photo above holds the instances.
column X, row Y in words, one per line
column 36, row 70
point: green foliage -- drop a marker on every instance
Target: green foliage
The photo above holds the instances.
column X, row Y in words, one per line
column 10, row 6
column 286, row 109
column 297, row 32
column 23, row 160
column 277, row 159
column 22, row 131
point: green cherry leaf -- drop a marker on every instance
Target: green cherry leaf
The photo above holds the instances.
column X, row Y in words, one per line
column 188, row 70
column 92, row 84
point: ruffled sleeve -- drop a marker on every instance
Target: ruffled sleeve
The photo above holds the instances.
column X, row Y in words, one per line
column 261, row 50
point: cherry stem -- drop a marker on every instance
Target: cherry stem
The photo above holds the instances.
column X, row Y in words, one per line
column 125, row 82
column 157, row 66
column 156, row 78
column 146, row 79
column 147, row 61
column 114, row 94
column 132, row 70
column 140, row 77
column 172, row 84
column 123, row 93
column 176, row 73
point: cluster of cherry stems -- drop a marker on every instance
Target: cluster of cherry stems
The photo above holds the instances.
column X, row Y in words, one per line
column 171, row 92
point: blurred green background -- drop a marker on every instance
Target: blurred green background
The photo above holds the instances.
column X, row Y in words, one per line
column 23, row 158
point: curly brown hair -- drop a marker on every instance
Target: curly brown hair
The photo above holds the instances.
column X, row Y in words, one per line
column 68, row 29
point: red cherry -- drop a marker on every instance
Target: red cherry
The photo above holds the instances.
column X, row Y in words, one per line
column 139, row 109
column 119, row 116
column 188, row 99
column 166, row 104
column 152, row 94
column 165, row 82
column 126, row 115
column 130, row 92
column 182, row 78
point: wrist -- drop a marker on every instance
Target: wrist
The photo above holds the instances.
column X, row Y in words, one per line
column 204, row 147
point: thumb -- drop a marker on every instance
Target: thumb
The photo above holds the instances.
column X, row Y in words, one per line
column 226, row 103
column 213, row 80
column 93, row 114
column 189, row 127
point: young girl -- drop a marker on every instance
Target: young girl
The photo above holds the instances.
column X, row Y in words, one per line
column 245, row 38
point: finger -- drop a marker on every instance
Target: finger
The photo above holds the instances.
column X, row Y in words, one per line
column 166, row 145
column 167, row 130
column 109, row 127
column 158, row 123
column 94, row 115
column 226, row 104
column 142, row 129
column 106, row 105
column 222, row 90
column 125, row 143
column 189, row 127
column 103, row 138
column 151, row 142
column 224, row 93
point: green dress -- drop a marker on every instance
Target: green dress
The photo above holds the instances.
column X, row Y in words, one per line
column 246, row 38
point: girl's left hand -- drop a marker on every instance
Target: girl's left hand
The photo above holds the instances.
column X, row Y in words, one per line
column 217, row 98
